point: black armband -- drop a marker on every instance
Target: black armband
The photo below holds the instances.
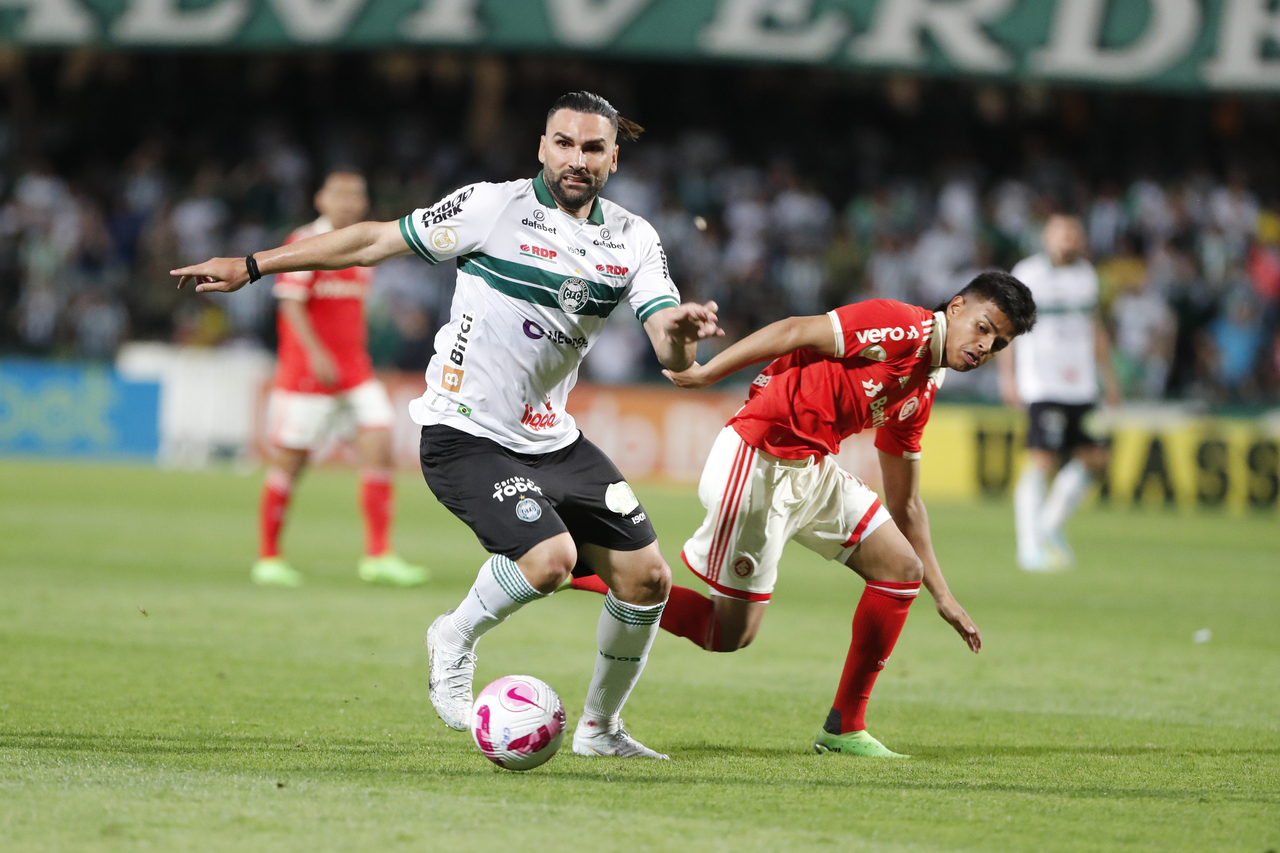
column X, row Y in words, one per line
column 252, row 266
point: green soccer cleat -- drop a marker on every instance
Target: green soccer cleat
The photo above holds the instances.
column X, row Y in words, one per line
column 853, row 743
column 274, row 571
column 391, row 570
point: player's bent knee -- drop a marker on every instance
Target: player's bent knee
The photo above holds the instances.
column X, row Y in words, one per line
column 906, row 568
column 548, row 564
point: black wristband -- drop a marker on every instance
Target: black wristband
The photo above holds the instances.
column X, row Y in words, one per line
column 252, row 266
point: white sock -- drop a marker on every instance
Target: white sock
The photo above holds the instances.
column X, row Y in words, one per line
column 625, row 634
column 1065, row 494
column 1028, row 498
column 500, row 590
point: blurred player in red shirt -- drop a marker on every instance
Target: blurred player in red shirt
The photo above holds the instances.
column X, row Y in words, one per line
column 324, row 382
column 772, row 475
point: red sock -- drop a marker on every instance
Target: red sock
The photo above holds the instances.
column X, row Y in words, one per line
column 271, row 511
column 687, row 613
column 375, row 501
column 693, row 616
column 877, row 622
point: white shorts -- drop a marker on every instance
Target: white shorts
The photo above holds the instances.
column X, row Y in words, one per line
column 299, row 421
column 755, row 502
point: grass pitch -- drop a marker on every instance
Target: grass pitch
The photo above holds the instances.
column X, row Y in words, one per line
column 152, row 699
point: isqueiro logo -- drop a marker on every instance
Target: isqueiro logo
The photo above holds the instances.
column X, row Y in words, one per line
column 573, row 295
column 531, row 250
column 513, row 486
column 528, row 510
column 536, row 332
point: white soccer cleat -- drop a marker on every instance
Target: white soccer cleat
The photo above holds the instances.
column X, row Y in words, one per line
column 590, row 739
column 453, row 666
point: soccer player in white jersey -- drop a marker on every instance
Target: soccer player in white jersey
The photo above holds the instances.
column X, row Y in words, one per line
column 1053, row 371
column 541, row 265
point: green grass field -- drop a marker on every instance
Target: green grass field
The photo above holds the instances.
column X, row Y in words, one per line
column 152, row 699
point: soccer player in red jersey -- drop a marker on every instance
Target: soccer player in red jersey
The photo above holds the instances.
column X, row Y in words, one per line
column 324, row 380
column 772, row 475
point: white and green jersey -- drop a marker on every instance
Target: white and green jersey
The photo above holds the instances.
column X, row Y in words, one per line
column 535, row 288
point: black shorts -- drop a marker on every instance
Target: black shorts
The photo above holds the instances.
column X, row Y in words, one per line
column 512, row 501
column 1060, row 427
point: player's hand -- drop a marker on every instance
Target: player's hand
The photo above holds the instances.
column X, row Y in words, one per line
column 221, row 274
column 693, row 377
column 950, row 609
column 692, row 322
column 323, row 367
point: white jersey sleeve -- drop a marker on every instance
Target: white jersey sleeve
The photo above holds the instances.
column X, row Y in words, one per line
column 651, row 288
column 456, row 225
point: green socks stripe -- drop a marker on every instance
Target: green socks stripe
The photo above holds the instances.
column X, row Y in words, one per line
column 512, row 580
column 630, row 614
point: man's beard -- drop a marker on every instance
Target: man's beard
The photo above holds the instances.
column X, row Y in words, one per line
column 578, row 197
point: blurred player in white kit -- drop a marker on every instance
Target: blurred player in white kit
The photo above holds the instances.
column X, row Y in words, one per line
column 1053, row 371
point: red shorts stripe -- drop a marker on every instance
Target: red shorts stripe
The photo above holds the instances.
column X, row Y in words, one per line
column 723, row 518
column 732, row 518
column 727, row 591
column 862, row 525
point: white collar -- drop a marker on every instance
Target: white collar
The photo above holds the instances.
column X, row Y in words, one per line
column 938, row 337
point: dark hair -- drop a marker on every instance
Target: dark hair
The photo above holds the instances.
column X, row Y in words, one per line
column 1011, row 296
column 590, row 102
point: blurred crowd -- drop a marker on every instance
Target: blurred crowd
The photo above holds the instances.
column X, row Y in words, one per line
column 1189, row 265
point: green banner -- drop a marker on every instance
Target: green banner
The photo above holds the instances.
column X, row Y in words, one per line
column 1162, row 44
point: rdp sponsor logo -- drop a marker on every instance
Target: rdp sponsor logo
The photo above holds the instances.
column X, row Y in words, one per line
column 536, row 332
column 446, row 209
column 531, row 250
column 887, row 333
column 611, row 270
column 513, row 486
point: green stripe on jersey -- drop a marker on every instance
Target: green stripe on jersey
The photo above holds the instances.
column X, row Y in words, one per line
column 647, row 310
column 411, row 237
column 540, row 287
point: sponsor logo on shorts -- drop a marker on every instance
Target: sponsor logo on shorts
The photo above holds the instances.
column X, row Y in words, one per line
column 528, row 510
column 612, row 270
column 444, row 238
column 638, row 517
column 446, row 209
column 533, row 250
column 909, row 408
column 620, row 499
column 877, row 411
column 743, row 567
column 536, row 332
column 573, row 295
column 513, row 486
column 762, row 380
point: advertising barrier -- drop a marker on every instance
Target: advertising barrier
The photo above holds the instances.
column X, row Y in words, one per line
column 76, row 410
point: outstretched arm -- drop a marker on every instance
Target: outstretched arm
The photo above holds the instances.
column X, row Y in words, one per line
column 773, row 341
column 365, row 244
column 902, row 494
column 675, row 332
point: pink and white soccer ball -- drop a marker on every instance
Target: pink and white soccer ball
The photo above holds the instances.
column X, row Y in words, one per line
column 518, row 722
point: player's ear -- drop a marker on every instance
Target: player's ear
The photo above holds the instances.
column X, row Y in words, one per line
column 613, row 166
column 542, row 150
column 956, row 305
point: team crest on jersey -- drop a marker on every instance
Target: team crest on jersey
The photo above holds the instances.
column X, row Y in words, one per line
column 743, row 567
column 528, row 510
column 573, row 295
column 444, row 238
column 909, row 408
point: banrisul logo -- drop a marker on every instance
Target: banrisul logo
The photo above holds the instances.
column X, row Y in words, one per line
column 573, row 295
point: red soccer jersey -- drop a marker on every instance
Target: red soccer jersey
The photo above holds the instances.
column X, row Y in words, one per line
column 334, row 300
column 884, row 375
